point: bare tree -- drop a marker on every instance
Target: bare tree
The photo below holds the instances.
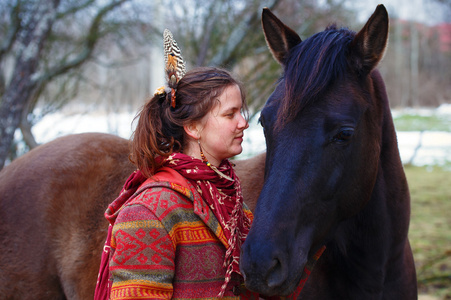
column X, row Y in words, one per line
column 223, row 33
column 27, row 46
column 27, row 35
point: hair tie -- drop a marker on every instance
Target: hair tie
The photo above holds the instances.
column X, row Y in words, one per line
column 160, row 91
column 173, row 98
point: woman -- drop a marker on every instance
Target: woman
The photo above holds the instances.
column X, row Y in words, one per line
column 178, row 225
column 178, row 233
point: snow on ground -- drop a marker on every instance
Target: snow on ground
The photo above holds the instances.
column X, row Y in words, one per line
column 434, row 147
column 431, row 147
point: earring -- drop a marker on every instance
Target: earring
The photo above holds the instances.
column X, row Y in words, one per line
column 204, row 159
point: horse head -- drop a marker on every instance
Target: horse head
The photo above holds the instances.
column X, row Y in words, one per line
column 323, row 128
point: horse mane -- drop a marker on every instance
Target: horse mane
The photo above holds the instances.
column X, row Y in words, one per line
column 311, row 67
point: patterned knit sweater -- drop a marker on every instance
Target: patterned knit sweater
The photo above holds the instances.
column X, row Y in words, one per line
column 167, row 244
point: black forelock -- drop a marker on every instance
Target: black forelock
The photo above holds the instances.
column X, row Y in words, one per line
column 311, row 67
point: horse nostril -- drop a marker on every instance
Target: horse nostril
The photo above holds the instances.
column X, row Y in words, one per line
column 276, row 274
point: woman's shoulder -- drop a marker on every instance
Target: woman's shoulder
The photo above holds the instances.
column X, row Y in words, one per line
column 161, row 195
column 166, row 201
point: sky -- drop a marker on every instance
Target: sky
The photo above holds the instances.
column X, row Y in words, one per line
column 425, row 11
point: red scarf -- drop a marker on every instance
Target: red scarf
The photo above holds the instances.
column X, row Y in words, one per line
column 223, row 196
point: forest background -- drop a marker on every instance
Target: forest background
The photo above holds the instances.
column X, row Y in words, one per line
column 105, row 56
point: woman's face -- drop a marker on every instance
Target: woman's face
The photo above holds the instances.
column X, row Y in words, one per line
column 221, row 130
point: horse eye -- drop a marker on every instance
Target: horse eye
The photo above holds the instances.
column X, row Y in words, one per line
column 344, row 135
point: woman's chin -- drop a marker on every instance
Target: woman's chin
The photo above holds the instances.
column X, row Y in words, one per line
column 237, row 152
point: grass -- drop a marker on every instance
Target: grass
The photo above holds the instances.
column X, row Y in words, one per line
column 430, row 225
column 430, row 228
column 411, row 122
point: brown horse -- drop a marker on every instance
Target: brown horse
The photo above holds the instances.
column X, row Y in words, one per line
column 333, row 173
column 52, row 201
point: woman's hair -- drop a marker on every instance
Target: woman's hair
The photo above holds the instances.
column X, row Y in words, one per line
column 160, row 131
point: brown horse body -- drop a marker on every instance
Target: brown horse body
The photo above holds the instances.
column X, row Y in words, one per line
column 52, row 201
column 51, row 216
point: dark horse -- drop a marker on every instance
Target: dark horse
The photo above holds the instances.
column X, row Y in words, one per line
column 333, row 173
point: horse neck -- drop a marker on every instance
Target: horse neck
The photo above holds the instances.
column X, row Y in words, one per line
column 391, row 173
column 389, row 205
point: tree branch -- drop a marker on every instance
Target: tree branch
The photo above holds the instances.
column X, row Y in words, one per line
column 74, row 9
column 28, row 137
column 237, row 37
column 90, row 42
column 13, row 29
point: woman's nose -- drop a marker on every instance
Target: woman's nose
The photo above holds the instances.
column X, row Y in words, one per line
column 243, row 124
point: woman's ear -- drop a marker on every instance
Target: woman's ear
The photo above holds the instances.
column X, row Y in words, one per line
column 192, row 130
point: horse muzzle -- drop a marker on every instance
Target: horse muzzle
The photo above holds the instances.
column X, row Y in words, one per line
column 269, row 273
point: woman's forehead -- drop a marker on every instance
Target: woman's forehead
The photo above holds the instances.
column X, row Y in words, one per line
column 230, row 98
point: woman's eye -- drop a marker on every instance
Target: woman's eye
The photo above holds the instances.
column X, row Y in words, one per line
column 344, row 135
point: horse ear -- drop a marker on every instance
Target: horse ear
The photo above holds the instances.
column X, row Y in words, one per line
column 279, row 37
column 370, row 43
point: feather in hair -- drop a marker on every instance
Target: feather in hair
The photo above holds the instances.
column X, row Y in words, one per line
column 175, row 66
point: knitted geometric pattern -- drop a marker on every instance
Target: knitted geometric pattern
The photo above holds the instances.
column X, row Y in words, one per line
column 168, row 244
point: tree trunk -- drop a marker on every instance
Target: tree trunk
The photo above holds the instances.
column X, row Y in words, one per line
column 414, row 64
column 401, row 95
column 28, row 137
column 24, row 79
